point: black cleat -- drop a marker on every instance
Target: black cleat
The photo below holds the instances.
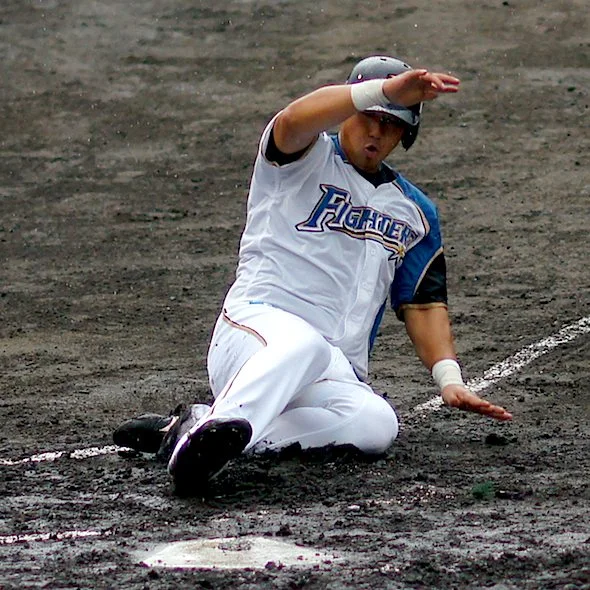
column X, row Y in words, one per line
column 145, row 433
column 203, row 452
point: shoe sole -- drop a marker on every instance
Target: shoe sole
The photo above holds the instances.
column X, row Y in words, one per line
column 201, row 455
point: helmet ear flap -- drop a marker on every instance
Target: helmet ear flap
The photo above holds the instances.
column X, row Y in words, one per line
column 409, row 136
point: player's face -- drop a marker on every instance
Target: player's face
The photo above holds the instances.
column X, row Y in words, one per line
column 368, row 138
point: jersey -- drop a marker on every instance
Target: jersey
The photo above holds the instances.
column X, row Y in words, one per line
column 324, row 243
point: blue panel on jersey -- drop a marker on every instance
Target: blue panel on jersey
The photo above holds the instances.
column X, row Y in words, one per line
column 417, row 260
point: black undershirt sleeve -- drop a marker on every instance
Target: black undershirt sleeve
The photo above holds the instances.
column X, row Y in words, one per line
column 433, row 286
column 275, row 155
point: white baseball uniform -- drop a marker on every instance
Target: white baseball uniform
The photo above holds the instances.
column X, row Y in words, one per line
column 322, row 249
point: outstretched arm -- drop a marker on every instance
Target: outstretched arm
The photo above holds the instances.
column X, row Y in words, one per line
column 430, row 331
column 301, row 121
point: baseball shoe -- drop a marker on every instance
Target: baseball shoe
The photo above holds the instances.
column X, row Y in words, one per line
column 148, row 433
column 203, row 452
column 145, row 433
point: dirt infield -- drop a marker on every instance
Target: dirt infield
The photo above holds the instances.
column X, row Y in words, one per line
column 128, row 132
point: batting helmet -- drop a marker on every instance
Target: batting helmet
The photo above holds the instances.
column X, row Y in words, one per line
column 377, row 67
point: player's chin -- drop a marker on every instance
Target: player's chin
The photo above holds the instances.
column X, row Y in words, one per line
column 370, row 160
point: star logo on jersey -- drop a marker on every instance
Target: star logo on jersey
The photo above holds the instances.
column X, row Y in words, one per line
column 335, row 212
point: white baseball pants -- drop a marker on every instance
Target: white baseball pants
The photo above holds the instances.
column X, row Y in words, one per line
column 276, row 371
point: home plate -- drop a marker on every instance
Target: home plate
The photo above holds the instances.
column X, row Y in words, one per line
column 235, row 553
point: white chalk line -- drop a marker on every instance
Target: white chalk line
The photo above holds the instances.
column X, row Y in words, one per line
column 76, row 454
column 57, row 536
column 503, row 369
column 515, row 362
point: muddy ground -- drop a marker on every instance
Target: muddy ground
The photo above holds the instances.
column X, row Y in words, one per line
column 128, row 132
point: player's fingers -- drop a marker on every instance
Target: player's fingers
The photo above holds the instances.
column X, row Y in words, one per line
column 487, row 409
column 499, row 413
column 441, row 86
column 448, row 79
column 442, row 82
column 429, row 80
column 473, row 403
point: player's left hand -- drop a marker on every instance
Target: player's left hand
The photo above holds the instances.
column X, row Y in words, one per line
column 416, row 86
column 458, row 396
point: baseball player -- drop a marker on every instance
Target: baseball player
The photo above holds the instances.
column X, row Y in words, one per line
column 332, row 234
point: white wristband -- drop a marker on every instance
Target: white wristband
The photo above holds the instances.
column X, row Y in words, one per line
column 447, row 372
column 368, row 94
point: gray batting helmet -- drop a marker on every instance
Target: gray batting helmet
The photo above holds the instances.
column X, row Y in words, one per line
column 380, row 66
